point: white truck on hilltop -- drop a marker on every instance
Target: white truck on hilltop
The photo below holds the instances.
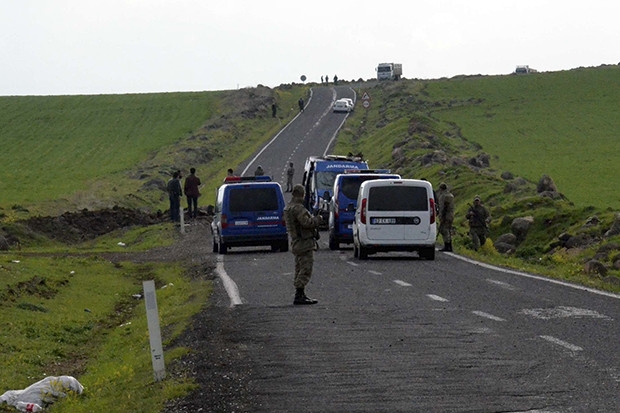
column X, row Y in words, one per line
column 389, row 71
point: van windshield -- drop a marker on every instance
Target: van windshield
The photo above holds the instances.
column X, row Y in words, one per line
column 325, row 180
column 397, row 198
column 253, row 199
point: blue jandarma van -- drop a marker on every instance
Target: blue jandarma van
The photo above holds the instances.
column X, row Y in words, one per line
column 344, row 203
column 249, row 211
column 319, row 175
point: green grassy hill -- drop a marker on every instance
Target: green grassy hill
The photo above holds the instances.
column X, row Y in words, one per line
column 563, row 124
column 73, row 152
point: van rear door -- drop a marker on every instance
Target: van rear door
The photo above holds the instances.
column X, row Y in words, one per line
column 253, row 209
column 398, row 212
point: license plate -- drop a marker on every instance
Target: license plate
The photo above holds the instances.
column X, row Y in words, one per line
column 383, row 221
column 241, row 223
column 350, row 226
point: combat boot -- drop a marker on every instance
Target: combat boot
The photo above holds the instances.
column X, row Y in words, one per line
column 447, row 247
column 301, row 299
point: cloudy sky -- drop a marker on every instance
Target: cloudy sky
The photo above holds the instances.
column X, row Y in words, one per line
column 54, row 47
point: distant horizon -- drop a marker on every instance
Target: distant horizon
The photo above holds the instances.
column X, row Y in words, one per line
column 346, row 81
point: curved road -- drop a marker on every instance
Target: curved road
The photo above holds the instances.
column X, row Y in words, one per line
column 398, row 334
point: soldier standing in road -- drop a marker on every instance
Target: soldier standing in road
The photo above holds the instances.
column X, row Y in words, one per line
column 259, row 171
column 290, row 172
column 174, row 195
column 479, row 219
column 301, row 227
column 445, row 202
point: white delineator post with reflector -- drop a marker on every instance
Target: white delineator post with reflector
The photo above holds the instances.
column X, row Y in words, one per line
column 152, row 316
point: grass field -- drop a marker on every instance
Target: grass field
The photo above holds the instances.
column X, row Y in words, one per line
column 55, row 146
column 563, row 124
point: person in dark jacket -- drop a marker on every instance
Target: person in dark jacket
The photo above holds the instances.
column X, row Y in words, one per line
column 174, row 195
column 192, row 192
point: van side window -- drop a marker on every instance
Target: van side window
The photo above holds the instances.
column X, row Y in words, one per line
column 253, row 199
column 397, row 198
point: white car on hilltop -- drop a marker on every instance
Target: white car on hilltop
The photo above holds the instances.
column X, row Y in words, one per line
column 343, row 105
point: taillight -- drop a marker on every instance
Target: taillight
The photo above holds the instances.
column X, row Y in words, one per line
column 224, row 221
column 363, row 212
column 432, row 206
column 336, row 208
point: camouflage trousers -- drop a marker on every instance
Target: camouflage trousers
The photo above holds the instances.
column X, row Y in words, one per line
column 445, row 229
column 478, row 236
column 303, row 268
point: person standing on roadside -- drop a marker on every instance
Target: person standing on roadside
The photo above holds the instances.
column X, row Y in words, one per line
column 301, row 227
column 445, row 202
column 479, row 218
column 290, row 172
column 192, row 182
column 259, row 171
column 300, row 102
column 174, row 195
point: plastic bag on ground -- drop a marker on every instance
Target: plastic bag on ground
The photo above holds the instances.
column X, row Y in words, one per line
column 42, row 393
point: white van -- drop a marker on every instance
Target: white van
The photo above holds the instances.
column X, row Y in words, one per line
column 395, row 215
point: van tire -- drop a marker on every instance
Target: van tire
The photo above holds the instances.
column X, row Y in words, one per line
column 215, row 248
column 284, row 246
column 363, row 252
column 223, row 248
column 428, row 253
column 333, row 244
column 356, row 252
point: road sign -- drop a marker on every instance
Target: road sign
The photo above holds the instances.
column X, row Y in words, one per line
column 366, row 104
column 365, row 96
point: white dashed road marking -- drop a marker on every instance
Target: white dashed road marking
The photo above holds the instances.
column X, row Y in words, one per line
column 487, row 315
column 501, row 284
column 402, row 283
column 562, row 343
column 437, row 298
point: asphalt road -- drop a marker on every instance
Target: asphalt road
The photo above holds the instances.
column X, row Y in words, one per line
column 400, row 334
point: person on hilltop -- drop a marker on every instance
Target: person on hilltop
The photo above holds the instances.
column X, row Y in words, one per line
column 479, row 218
column 301, row 227
column 445, row 203
column 192, row 192
column 174, row 195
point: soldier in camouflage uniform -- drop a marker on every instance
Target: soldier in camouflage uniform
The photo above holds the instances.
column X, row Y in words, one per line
column 301, row 227
column 445, row 203
column 479, row 218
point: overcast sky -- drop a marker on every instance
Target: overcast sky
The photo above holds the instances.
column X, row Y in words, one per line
column 54, row 47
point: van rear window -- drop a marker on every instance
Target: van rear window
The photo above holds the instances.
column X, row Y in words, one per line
column 253, row 199
column 397, row 198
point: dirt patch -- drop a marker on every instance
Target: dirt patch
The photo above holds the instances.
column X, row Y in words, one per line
column 75, row 227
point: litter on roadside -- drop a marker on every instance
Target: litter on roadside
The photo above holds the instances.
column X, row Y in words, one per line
column 42, row 393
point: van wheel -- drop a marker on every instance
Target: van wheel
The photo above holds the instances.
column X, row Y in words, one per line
column 363, row 253
column 215, row 248
column 333, row 244
column 223, row 248
column 428, row 253
column 356, row 252
column 284, row 246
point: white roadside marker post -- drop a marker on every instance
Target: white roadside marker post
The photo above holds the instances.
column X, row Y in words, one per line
column 152, row 316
